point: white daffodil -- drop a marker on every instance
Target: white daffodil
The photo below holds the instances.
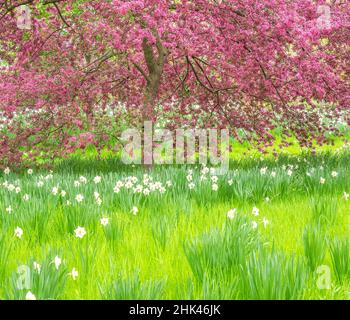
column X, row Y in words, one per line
column 322, row 180
column 79, row 198
column 30, row 171
column 80, row 232
column 169, row 184
column 37, row 267
column 230, row 182
column 254, row 224
column 346, row 196
column 57, row 262
column 76, row 184
column 9, row 209
column 263, row 170
column 26, row 197
column 104, row 221
column 40, row 183
column 97, row 179
column 255, row 211
column 99, row 201
column 74, row 274
column 83, row 180
column 214, row 187
column 30, row 296
column 189, row 178
column 18, row 232
column 7, row 171
column 265, row 222
column 54, row 191
column 135, row 210
column 232, row 213
column 334, row 174
column 191, row 185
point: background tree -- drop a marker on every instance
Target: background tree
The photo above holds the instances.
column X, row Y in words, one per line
column 86, row 69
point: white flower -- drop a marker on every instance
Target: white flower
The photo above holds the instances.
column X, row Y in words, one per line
column 30, row 296
column 134, row 211
column 74, row 274
column 263, row 170
column 128, row 185
column 30, row 171
column 18, row 190
column 9, row 209
column 255, row 211
column 40, row 183
column 76, row 184
column 104, row 221
column 232, row 213
column 119, row 184
column 346, row 196
column 96, row 195
column 214, row 179
column 82, row 179
column 273, row 174
column 7, row 171
column 191, row 185
column 57, row 261
column 68, row 203
column 54, row 191
column 289, row 172
column 26, row 197
column 11, row 187
column 169, row 183
column 63, row 193
column 99, row 201
column 203, row 178
column 79, row 198
column 80, row 232
column 265, row 222
column 215, row 187
column 138, row 188
column 205, row 170
column 97, row 179
column 146, row 191
column 116, row 189
column 334, row 174
column 18, row 232
column 322, row 180
column 189, row 178
column 267, row 199
column 230, row 182
column 254, row 224
column 37, row 267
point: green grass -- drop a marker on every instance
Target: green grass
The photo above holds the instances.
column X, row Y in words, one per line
column 181, row 244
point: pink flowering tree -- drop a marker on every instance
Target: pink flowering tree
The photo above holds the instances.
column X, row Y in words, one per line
column 78, row 72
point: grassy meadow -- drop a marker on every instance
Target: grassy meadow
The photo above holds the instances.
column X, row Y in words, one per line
column 94, row 229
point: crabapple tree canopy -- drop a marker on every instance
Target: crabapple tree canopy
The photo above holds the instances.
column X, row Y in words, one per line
column 85, row 69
